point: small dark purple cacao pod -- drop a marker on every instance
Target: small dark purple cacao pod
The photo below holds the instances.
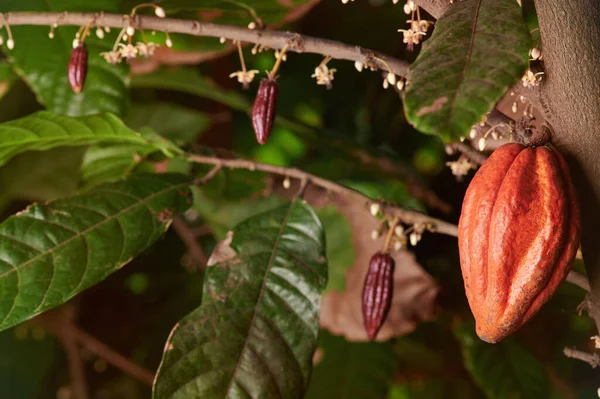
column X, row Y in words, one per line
column 77, row 67
column 377, row 292
column 265, row 109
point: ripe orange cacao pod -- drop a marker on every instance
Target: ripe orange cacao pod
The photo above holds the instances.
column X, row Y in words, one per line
column 518, row 235
column 264, row 109
column 377, row 292
column 77, row 68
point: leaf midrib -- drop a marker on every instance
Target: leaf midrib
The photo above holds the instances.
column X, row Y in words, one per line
column 89, row 229
column 467, row 62
column 259, row 300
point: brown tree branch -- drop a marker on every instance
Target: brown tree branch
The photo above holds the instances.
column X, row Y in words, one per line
column 271, row 39
column 591, row 358
column 570, row 102
column 389, row 210
column 68, row 331
column 196, row 252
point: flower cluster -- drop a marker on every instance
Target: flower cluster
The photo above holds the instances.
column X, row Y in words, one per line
column 324, row 75
column 418, row 27
column 531, row 79
column 461, row 167
column 129, row 51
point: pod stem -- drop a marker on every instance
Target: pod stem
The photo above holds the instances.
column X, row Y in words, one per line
column 278, row 62
column 390, row 234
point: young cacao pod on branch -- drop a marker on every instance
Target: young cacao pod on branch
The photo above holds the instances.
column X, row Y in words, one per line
column 77, row 68
column 377, row 292
column 264, row 109
column 518, row 235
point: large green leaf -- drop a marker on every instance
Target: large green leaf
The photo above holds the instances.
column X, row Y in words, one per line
column 478, row 50
column 43, row 61
column 505, row 370
column 50, row 252
column 352, row 370
column 255, row 333
column 44, row 130
column 41, row 175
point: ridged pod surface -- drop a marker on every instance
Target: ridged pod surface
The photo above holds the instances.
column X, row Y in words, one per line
column 377, row 292
column 77, row 69
column 518, row 235
column 264, row 109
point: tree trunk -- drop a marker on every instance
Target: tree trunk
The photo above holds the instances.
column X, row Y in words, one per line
column 570, row 96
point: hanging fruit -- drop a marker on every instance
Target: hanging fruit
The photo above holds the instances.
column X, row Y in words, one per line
column 518, row 235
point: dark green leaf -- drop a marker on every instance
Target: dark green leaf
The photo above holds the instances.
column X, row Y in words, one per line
column 41, row 175
column 255, row 333
column 503, row 370
column 352, row 370
column 44, row 130
column 49, row 253
column 42, row 62
column 179, row 124
column 105, row 163
column 340, row 248
column 478, row 50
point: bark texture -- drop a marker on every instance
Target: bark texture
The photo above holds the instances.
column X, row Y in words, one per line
column 570, row 96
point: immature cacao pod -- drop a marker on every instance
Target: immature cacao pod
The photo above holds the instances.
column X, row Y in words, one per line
column 264, row 109
column 377, row 292
column 77, row 68
column 518, row 235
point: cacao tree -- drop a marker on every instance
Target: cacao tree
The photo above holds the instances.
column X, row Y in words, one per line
column 274, row 199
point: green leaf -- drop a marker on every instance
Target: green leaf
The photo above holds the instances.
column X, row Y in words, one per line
column 42, row 62
column 255, row 333
column 352, row 370
column 503, row 370
column 340, row 248
column 51, row 252
column 106, row 163
column 179, row 124
column 44, row 130
column 478, row 50
column 41, row 175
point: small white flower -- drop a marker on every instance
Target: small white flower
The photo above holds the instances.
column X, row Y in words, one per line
column 160, row 12
column 146, row 49
column 222, row 40
column 530, row 79
column 400, row 85
column 374, row 235
column 414, row 238
column 399, row 230
column 386, row 84
column 345, row 1
column 10, row 43
column 287, row 183
column 482, row 143
column 514, row 108
column 473, row 133
column 461, row 167
column 244, row 77
column 277, row 54
column 130, row 30
column 398, row 245
column 125, row 37
column 169, row 42
column 112, row 57
column 252, row 25
column 107, row 29
column 535, row 53
column 324, row 75
column 391, row 78
column 495, row 135
column 100, row 33
column 358, row 65
column 128, row 51
column 374, row 208
column 407, row 9
column 51, row 34
column 76, row 43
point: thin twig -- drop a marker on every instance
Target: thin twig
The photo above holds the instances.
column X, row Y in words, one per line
column 64, row 329
column 196, row 252
column 591, row 358
column 270, row 39
column 471, row 153
column 579, row 280
column 392, row 211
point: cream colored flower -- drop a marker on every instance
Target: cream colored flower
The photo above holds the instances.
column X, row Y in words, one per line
column 112, row 57
column 244, row 77
column 324, row 75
